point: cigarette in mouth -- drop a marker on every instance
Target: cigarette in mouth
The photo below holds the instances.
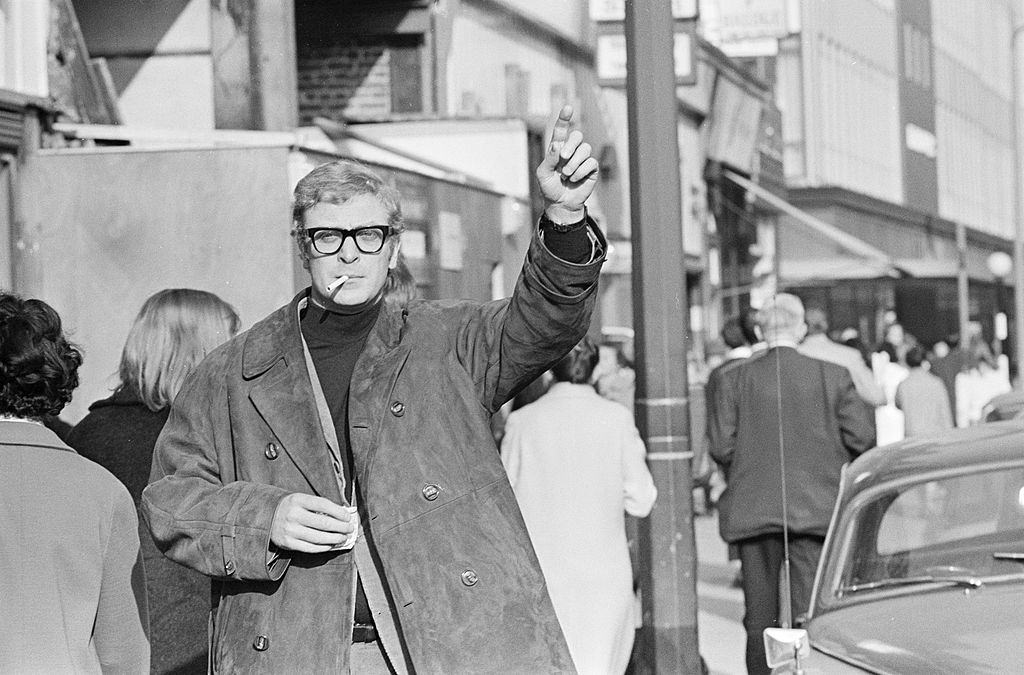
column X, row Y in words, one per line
column 336, row 283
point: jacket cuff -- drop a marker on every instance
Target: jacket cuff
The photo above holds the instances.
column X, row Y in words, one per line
column 245, row 541
column 566, row 281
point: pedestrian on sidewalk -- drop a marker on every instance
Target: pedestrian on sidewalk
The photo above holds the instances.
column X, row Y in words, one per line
column 782, row 409
column 818, row 345
column 922, row 397
column 71, row 594
column 174, row 329
column 333, row 468
column 577, row 465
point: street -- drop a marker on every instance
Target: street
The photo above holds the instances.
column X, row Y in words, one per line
column 719, row 628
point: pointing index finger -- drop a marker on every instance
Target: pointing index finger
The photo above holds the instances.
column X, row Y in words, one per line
column 560, row 131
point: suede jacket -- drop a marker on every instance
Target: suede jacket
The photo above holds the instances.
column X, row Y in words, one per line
column 465, row 591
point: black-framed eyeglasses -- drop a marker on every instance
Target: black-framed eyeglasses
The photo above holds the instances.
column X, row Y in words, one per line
column 328, row 241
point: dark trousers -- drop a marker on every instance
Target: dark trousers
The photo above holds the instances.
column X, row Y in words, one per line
column 761, row 562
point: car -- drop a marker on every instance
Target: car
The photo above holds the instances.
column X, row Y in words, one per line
column 1006, row 406
column 922, row 569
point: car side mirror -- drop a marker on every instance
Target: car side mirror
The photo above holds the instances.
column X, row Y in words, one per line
column 786, row 645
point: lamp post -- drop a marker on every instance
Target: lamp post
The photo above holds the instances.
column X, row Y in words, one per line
column 1018, row 197
column 1000, row 264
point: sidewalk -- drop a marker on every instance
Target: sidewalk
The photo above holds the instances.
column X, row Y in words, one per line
column 720, row 607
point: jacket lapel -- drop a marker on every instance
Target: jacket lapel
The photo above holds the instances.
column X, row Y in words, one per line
column 283, row 396
column 373, row 380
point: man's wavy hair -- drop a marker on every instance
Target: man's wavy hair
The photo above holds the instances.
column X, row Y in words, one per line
column 38, row 366
column 578, row 365
column 335, row 183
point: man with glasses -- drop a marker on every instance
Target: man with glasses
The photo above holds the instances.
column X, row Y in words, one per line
column 333, row 469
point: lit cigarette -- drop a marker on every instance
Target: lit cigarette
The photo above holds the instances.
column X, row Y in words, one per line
column 336, row 284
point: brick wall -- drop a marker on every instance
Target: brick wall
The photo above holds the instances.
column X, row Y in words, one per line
column 350, row 80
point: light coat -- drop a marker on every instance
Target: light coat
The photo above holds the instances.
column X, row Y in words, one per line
column 72, row 598
column 440, row 515
column 577, row 465
column 925, row 404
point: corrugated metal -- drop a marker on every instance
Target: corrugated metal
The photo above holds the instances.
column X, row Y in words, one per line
column 12, row 122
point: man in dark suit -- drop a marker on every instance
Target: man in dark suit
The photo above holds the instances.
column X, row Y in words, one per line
column 947, row 367
column 780, row 412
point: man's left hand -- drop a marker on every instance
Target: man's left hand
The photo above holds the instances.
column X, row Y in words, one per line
column 568, row 173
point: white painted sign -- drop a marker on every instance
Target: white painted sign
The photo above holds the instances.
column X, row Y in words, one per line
column 611, row 58
column 749, row 27
column 615, row 10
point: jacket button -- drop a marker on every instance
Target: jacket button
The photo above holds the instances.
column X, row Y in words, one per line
column 397, row 408
column 271, row 451
column 430, row 492
column 470, row 578
column 229, row 567
column 261, row 643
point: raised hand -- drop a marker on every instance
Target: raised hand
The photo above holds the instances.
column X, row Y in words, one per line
column 568, row 172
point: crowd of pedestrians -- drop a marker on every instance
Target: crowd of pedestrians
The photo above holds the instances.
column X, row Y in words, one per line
column 787, row 406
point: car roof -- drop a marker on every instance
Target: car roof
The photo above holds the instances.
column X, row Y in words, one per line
column 993, row 443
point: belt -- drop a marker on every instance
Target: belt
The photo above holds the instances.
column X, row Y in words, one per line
column 364, row 632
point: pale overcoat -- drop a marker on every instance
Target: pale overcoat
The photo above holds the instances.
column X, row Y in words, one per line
column 441, row 517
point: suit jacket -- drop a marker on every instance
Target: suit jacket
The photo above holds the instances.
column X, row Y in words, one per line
column 947, row 368
column 71, row 592
column 440, row 517
column 823, row 423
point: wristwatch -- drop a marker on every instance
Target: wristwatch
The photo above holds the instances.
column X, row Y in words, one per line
column 548, row 224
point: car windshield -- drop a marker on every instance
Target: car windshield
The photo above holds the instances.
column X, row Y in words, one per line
column 963, row 530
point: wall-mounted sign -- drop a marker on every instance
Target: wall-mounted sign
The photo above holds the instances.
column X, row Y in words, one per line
column 611, row 54
column 615, row 10
column 734, row 125
column 749, row 27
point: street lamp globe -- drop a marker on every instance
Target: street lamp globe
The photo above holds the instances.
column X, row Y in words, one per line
column 1000, row 264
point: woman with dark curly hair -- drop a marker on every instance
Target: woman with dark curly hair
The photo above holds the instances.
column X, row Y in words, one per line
column 69, row 545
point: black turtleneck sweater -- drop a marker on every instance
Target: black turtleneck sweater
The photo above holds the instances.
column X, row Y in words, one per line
column 335, row 340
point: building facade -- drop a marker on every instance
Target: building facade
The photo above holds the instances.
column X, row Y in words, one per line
column 898, row 127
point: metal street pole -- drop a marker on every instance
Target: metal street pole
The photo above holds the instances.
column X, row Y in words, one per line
column 668, row 638
column 963, row 300
column 1018, row 199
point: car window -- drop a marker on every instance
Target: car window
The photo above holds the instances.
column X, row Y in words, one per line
column 948, row 527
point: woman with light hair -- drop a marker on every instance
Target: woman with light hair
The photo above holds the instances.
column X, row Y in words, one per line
column 175, row 329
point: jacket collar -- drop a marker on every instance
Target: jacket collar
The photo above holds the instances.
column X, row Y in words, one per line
column 273, row 338
column 277, row 336
column 17, row 432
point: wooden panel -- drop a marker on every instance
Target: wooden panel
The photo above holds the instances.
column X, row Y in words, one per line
column 106, row 229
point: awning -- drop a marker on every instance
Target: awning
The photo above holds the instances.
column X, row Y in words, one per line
column 843, row 240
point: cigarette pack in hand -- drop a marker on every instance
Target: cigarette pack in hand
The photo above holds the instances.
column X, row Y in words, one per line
column 350, row 541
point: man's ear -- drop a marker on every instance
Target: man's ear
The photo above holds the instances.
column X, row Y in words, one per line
column 393, row 263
